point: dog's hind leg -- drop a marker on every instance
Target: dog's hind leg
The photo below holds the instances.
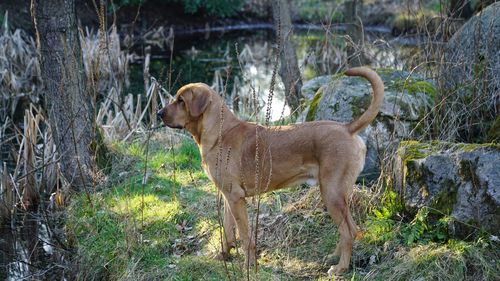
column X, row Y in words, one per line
column 335, row 188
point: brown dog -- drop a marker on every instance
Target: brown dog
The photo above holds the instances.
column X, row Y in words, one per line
column 244, row 159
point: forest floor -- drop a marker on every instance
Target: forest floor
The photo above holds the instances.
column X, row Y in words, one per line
column 157, row 218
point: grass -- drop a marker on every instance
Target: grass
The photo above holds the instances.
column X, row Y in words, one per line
column 413, row 22
column 317, row 10
column 168, row 229
column 456, row 260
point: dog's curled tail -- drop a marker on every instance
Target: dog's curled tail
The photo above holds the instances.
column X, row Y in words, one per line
column 378, row 96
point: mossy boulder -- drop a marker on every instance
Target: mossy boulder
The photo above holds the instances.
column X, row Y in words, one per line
column 456, row 179
column 408, row 98
column 471, row 78
column 310, row 87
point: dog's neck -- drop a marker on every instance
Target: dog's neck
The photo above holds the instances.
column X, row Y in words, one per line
column 207, row 129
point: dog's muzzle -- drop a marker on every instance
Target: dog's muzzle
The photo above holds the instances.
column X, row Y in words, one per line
column 161, row 115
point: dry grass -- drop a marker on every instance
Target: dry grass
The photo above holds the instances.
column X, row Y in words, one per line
column 19, row 70
column 106, row 65
column 121, row 121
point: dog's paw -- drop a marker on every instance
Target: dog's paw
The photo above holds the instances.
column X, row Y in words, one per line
column 336, row 270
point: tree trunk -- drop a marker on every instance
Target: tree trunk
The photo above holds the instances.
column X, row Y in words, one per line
column 289, row 69
column 67, row 100
column 355, row 56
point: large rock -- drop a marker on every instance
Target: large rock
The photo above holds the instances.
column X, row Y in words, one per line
column 461, row 180
column 471, row 77
column 340, row 98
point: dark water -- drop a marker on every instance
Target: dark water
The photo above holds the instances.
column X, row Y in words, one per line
column 32, row 248
column 243, row 60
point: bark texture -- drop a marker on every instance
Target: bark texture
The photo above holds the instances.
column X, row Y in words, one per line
column 289, row 68
column 67, row 100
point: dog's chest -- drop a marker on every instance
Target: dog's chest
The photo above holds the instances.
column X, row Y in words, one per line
column 207, row 171
column 213, row 171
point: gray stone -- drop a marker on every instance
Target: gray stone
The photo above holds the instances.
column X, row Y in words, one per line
column 310, row 87
column 408, row 97
column 471, row 75
column 461, row 180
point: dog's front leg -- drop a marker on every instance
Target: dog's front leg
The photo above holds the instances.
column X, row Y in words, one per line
column 229, row 231
column 237, row 205
column 229, row 237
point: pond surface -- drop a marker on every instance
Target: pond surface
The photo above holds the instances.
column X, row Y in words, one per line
column 246, row 59
column 30, row 249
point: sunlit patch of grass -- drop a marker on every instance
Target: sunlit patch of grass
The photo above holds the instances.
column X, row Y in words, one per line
column 203, row 268
column 213, row 243
column 98, row 235
column 134, row 149
column 209, row 230
column 140, row 224
column 155, row 216
column 200, row 268
column 149, row 207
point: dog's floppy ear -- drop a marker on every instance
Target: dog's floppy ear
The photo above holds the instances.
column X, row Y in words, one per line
column 199, row 101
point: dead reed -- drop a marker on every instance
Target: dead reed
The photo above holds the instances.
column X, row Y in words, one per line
column 30, row 160
column 35, row 172
column 19, row 70
column 106, row 66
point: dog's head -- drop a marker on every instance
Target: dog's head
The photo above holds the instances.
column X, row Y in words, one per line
column 188, row 106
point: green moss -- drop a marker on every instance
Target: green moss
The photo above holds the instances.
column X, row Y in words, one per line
column 467, row 171
column 311, row 114
column 422, row 87
column 447, row 198
column 309, row 72
column 412, row 86
column 469, row 147
column 413, row 150
column 359, row 105
column 385, row 71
